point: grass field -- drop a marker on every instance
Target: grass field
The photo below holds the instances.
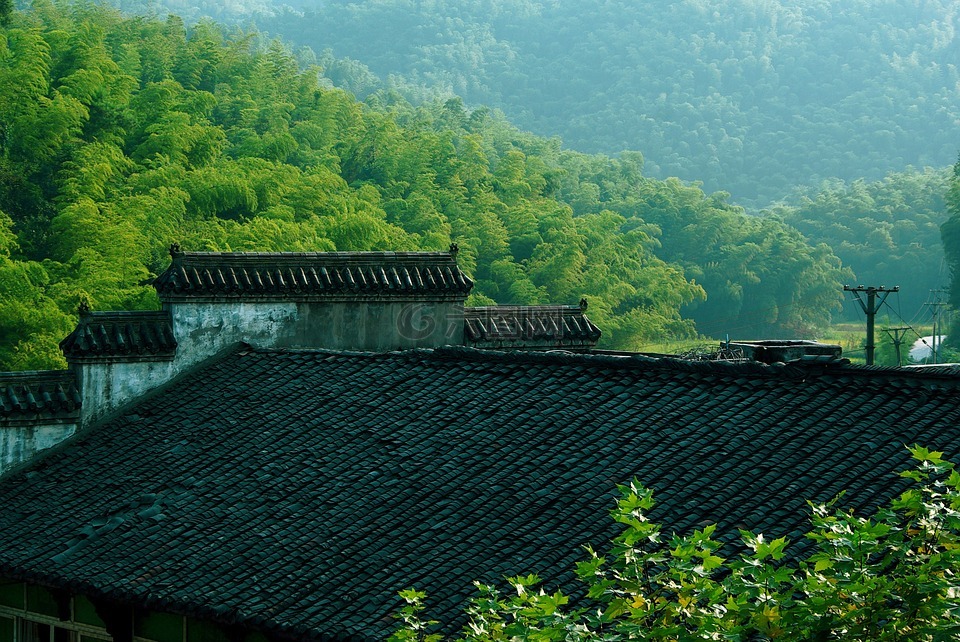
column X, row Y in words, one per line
column 851, row 337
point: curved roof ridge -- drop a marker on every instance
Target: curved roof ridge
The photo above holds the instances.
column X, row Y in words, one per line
column 311, row 276
column 793, row 370
column 33, row 393
column 129, row 334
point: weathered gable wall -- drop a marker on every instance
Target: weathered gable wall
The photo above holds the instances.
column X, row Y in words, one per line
column 205, row 329
column 109, row 385
column 353, row 301
column 21, row 443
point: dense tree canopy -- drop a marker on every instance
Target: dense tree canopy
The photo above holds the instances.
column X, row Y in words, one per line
column 887, row 232
column 120, row 135
column 950, row 232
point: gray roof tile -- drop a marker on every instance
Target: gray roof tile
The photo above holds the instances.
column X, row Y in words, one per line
column 122, row 335
column 43, row 394
column 310, row 275
column 297, row 491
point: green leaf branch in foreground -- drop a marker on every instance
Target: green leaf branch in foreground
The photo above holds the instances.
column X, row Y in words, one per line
column 891, row 576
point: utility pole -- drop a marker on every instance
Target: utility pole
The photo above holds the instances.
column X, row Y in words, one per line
column 897, row 336
column 935, row 308
column 870, row 309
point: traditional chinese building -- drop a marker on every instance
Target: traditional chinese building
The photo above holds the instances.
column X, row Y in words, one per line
column 293, row 439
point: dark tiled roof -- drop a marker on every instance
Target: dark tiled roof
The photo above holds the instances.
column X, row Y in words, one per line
column 297, row 491
column 553, row 325
column 44, row 394
column 121, row 335
column 293, row 275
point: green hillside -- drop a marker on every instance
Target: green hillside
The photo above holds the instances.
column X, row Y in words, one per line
column 120, row 135
column 887, row 232
column 827, row 106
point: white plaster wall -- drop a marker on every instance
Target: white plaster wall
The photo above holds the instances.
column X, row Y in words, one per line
column 20, row 443
column 378, row 326
column 107, row 386
column 205, row 329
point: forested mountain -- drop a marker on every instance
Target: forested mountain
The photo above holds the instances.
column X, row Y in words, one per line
column 119, row 135
column 950, row 233
column 749, row 96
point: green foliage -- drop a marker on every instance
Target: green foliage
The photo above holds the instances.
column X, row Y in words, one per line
column 890, row 576
column 760, row 276
column 30, row 321
column 950, row 234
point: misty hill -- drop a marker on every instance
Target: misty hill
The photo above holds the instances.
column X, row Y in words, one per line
column 748, row 96
column 886, row 231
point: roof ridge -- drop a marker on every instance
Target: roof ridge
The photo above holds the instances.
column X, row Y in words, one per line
column 790, row 371
column 566, row 357
column 540, row 327
column 38, row 392
column 293, row 257
column 35, row 375
column 125, row 334
column 312, row 276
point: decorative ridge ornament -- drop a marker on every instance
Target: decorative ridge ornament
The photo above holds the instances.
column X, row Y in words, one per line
column 537, row 327
column 121, row 335
column 176, row 254
column 289, row 276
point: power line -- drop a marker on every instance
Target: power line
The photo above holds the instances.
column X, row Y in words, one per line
column 870, row 309
column 910, row 323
